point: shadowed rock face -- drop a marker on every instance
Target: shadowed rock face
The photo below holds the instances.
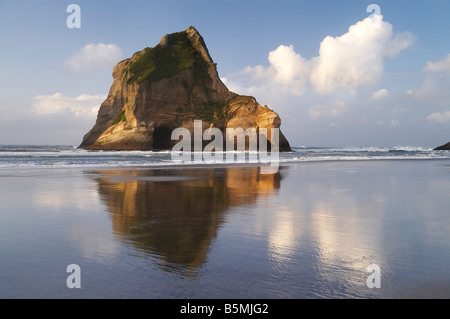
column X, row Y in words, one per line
column 445, row 147
column 166, row 87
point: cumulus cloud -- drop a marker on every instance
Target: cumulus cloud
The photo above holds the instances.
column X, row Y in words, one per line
column 93, row 56
column 400, row 42
column 380, row 94
column 289, row 66
column 440, row 117
column 356, row 58
column 440, row 66
column 436, row 82
column 349, row 61
column 432, row 88
column 84, row 105
column 332, row 110
column 288, row 71
column 394, row 122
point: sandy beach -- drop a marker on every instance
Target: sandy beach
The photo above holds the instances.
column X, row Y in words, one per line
column 308, row 231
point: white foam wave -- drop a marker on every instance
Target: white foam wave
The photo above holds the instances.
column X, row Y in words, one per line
column 74, row 157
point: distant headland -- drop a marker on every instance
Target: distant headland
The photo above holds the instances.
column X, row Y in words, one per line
column 445, row 147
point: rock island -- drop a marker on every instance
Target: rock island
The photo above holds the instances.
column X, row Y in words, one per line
column 169, row 86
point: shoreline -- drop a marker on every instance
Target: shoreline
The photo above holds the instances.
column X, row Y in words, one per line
column 227, row 230
column 215, row 165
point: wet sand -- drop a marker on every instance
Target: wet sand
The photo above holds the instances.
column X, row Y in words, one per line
column 308, row 231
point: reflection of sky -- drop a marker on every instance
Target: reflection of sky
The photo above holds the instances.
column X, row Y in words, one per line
column 87, row 229
column 343, row 217
column 314, row 236
column 283, row 238
column 326, row 226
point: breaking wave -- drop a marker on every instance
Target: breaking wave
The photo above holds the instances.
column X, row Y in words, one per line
column 32, row 156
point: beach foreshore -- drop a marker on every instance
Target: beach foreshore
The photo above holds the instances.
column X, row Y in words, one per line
column 311, row 230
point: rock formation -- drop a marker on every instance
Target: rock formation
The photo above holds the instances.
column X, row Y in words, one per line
column 445, row 147
column 166, row 87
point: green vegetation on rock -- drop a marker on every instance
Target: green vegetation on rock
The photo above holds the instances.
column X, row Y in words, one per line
column 212, row 112
column 241, row 99
column 163, row 61
column 121, row 117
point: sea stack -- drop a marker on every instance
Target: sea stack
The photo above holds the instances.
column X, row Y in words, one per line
column 166, row 87
column 445, row 147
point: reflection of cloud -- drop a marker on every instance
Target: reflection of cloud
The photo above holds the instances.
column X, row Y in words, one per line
column 95, row 241
column 338, row 224
column 284, row 236
column 347, row 240
column 64, row 198
column 332, row 233
column 71, row 198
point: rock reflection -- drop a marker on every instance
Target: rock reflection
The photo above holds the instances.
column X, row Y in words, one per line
column 175, row 214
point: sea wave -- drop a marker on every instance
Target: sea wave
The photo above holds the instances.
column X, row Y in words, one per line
column 36, row 156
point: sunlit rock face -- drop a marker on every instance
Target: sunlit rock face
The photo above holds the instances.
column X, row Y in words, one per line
column 166, row 87
column 176, row 216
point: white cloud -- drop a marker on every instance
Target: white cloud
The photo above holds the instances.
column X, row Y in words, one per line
column 394, row 122
column 332, row 110
column 287, row 72
column 400, row 42
column 439, row 117
column 288, row 65
column 440, row 66
column 83, row 105
column 349, row 61
column 433, row 87
column 380, row 94
column 436, row 82
column 93, row 56
column 322, row 99
column 356, row 58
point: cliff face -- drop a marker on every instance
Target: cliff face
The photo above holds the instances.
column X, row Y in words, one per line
column 445, row 147
column 166, row 87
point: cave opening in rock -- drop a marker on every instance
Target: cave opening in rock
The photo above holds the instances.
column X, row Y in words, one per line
column 162, row 138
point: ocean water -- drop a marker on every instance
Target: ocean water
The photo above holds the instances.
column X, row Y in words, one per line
column 139, row 227
column 43, row 156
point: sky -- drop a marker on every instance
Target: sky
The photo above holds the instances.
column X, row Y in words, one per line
column 339, row 73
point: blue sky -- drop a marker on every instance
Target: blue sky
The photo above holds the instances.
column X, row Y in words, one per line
column 336, row 75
